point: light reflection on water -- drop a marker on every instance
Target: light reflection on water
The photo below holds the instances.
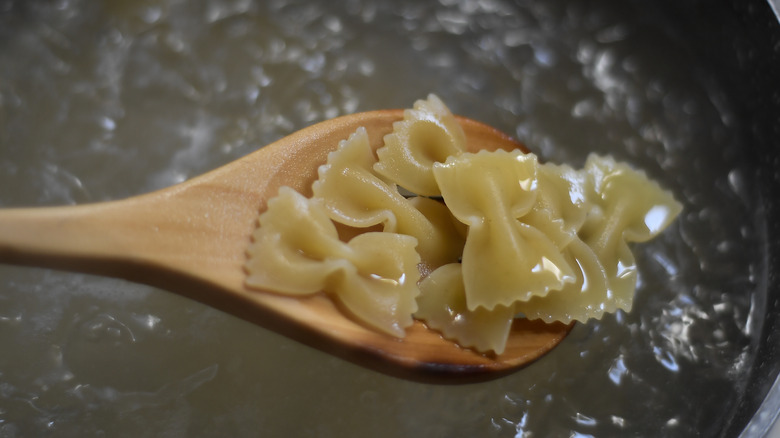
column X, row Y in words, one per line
column 102, row 100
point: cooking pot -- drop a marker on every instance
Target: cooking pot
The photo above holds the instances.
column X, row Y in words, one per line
column 103, row 100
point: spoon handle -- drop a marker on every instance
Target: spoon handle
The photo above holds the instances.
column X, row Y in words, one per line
column 107, row 239
column 196, row 231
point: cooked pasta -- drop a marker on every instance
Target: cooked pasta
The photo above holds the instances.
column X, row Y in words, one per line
column 511, row 237
column 504, row 259
column 442, row 304
column 625, row 206
column 355, row 196
column 428, row 134
column 561, row 203
column 297, row 251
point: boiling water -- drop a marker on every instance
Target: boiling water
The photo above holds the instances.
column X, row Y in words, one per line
column 103, row 100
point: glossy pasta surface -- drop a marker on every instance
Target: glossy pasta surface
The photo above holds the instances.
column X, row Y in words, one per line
column 504, row 237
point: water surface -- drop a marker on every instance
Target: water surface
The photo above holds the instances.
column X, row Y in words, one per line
column 103, row 100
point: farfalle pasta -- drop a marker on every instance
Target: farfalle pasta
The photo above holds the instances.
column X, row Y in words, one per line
column 297, row 251
column 428, row 134
column 561, row 203
column 503, row 237
column 631, row 208
column 588, row 297
column 481, row 329
column 504, row 259
column 356, row 196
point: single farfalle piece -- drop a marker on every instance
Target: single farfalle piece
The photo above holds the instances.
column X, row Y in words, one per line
column 295, row 248
column 296, row 251
column 636, row 207
column 350, row 190
column 442, row 305
column 380, row 286
column 428, row 134
column 504, row 259
column 628, row 207
column 354, row 195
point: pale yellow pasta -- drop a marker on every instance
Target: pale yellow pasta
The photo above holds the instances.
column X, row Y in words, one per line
column 354, row 195
column 428, row 134
column 380, row 287
column 561, row 203
column 590, row 215
column 624, row 206
column 442, row 304
column 352, row 192
column 635, row 208
column 541, row 240
column 588, row 297
column 296, row 250
column 504, row 259
column 629, row 208
column 445, row 237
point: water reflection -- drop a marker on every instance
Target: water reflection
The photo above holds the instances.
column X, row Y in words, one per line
column 102, row 100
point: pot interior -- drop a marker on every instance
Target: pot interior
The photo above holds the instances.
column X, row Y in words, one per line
column 104, row 100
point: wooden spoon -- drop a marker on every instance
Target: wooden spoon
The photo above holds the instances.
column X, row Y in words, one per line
column 192, row 239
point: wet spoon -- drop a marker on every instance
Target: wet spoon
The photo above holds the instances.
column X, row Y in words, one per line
column 191, row 239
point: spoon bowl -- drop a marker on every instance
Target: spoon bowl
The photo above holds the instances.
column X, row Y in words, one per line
column 192, row 238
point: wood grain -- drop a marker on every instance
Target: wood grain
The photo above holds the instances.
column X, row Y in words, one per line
column 191, row 239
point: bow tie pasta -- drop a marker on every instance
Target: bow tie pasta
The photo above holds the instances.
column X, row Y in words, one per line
column 428, row 134
column 297, row 251
column 504, row 259
column 444, row 307
column 356, row 196
column 508, row 238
